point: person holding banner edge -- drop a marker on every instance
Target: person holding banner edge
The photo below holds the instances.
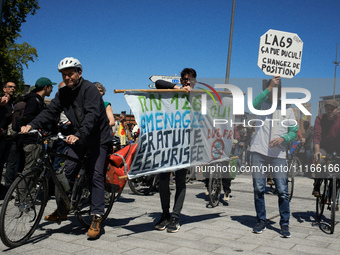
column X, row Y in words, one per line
column 268, row 151
column 188, row 81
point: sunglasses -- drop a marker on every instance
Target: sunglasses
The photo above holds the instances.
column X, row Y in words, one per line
column 188, row 79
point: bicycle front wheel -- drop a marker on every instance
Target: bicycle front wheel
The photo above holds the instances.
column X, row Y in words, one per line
column 333, row 204
column 290, row 183
column 23, row 208
column 215, row 188
column 322, row 199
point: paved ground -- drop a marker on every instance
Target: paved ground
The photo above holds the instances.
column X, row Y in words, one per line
column 225, row 229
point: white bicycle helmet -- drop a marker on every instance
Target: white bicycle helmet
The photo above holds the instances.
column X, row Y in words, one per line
column 69, row 62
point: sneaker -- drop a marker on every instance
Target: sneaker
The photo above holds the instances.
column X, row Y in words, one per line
column 260, row 226
column 226, row 197
column 55, row 217
column 285, row 231
column 163, row 222
column 207, row 193
column 316, row 192
column 94, row 229
column 173, row 226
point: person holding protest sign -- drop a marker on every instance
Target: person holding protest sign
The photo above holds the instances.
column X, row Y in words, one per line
column 188, row 81
column 269, row 155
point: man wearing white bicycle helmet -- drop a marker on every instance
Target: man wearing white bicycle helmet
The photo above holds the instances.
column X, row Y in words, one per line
column 84, row 107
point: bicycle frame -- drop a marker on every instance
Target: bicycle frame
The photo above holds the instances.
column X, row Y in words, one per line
column 46, row 163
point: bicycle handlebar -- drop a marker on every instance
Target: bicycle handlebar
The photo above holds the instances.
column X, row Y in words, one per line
column 331, row 157
column 45, row 136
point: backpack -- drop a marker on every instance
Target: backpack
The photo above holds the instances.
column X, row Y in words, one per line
column 18, row 114
column 117, row 165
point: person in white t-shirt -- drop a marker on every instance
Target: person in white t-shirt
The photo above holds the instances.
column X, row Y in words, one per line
column 268, row 150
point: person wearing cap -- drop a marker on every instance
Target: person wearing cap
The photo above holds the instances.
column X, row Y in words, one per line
column 268, row 149
column 90, row 134
column 326, row 136
column 34, row 105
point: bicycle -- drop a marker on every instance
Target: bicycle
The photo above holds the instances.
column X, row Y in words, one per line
column 190, row 174
column 328, row 194
column 215, row 185
column 293, row 164
column 26, row 199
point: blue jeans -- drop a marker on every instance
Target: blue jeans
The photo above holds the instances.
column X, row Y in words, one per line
column 259, row 184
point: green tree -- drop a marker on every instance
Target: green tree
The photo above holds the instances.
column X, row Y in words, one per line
column 14, row 56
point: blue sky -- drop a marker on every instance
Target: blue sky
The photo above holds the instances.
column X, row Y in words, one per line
column 122, row 43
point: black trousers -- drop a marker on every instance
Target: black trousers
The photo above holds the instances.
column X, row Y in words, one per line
column 164, row 191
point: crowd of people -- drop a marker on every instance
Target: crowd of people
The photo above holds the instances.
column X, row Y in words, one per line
column 78, row 110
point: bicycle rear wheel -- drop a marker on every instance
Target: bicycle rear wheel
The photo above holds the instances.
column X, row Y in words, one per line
column 84, row 213
column 142, row 185
column 322, row 199
column 23, row 208
column 215, row 188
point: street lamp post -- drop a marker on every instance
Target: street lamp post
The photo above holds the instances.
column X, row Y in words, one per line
column 230, row 43
column 336, row 64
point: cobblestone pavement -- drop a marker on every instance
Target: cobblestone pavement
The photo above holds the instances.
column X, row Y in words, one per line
column 225, row 229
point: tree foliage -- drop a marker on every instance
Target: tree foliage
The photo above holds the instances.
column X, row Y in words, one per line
column 14, row 56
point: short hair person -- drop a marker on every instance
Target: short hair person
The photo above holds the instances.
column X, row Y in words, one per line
column 326, row 136
column 108, row 107
column 188, row 81
column 6, row 115
column 84, row 107
column 269, row 150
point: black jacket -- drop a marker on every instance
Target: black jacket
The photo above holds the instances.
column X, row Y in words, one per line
column 34, row 106
column 160, row 84
column 84, row 107
column 6, row 113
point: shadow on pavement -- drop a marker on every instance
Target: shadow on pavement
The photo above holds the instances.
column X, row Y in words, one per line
column 122, row 199
column 73, row 228
column 202, row 195
column 150, row 226
column 250, row 221
column 121, row 222
column 187, row 219
column 324, row 224
column 308, row 216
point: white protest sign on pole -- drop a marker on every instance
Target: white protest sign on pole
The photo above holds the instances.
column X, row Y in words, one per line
column 169, row 78
column 280, row 53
